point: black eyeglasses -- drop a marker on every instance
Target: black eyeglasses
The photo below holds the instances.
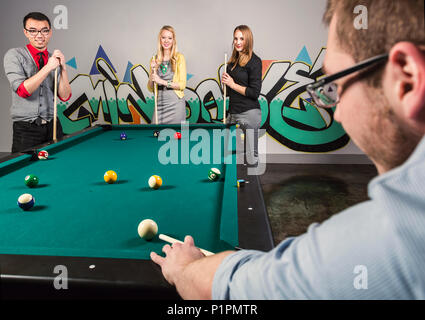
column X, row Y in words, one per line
column 325, row 92
column 34, row 32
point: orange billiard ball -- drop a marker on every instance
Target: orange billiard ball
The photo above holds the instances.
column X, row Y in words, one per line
column 155, row 182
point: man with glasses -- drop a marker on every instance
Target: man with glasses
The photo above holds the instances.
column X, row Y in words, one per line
column 375, row 84
column 30, row 71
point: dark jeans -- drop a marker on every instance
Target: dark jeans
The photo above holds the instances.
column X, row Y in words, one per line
column 28, row 134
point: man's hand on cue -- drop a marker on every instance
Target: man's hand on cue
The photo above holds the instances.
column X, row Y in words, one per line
column 177, row 257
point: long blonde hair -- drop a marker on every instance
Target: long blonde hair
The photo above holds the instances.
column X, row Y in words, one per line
column 245, row 55
column 174, row 50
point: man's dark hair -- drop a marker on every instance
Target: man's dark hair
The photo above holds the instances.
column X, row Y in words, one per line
column 36, row 16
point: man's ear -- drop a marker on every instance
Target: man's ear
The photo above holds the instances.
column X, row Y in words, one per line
column 406, row 72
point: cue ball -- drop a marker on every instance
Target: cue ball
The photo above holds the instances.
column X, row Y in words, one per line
column 147, row 229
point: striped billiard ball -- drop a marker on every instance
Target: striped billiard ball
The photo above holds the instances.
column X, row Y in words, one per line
column 43, row 155
column 214, row 174
column 155, row 182
column 26, row 201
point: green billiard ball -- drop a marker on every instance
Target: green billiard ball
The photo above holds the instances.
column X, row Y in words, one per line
column 31, row 180
column 214, row 174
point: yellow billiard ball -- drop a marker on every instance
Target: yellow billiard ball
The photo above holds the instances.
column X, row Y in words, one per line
column 155, row 182
column 110, row 176
column 147, row 229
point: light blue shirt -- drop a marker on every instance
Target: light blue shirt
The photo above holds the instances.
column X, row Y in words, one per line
column 373, row 250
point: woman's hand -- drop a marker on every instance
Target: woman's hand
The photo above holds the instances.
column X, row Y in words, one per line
column 154, row 65
column 228, row 80
column 155, row 78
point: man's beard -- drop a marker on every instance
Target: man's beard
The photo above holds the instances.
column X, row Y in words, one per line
column 390, row 142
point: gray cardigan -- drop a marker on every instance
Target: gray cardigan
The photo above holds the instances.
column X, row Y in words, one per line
column 19, row 65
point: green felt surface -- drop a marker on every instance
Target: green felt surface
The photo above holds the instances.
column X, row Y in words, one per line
column 77, row 214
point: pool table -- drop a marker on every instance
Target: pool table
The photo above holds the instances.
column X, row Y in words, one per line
column 88, row 227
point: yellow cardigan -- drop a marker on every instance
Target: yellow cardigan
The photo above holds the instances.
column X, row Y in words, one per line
column 179, row 75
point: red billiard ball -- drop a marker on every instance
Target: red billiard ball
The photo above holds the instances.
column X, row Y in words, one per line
column 177, row 135
column 43, row 155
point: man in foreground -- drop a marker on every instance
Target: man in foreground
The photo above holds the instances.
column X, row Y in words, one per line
column 374, row 250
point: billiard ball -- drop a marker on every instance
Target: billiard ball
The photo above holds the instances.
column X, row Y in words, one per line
column 26, row 201
column 110, row 176
column 155, row 182
column 147, row 229
column 156, row 134
column 123, row 136
column 240, row 183
column 177, row 135
column 214, row 174
column 31, row 180
column 43, row 155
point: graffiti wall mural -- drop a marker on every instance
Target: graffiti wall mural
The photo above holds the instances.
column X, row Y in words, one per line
column 287, row 115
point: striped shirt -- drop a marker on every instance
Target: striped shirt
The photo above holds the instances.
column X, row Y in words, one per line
column 373, row 250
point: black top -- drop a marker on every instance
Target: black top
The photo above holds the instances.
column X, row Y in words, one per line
column 249, row 77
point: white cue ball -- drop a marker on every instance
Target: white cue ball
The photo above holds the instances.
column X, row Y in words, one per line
column 147, row 229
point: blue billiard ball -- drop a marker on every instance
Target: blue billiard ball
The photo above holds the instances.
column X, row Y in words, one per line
column 26, row 201
column 123, row 136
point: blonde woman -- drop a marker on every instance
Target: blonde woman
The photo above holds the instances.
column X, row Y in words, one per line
column 168, row 71
column 243, row 78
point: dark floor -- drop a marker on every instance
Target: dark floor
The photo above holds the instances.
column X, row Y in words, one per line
column 297, row 195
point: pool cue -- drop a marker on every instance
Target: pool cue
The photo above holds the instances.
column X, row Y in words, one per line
column 172, row 240
column 155, row 90
column 55, row 106
column 224, row 89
